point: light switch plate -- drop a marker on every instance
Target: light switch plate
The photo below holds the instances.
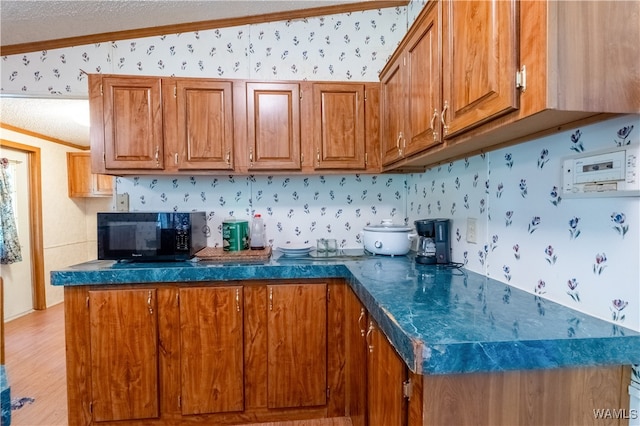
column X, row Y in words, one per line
column 472, row 235
column 122, row 202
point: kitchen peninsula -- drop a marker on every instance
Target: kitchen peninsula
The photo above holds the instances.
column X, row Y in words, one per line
column 464, row 348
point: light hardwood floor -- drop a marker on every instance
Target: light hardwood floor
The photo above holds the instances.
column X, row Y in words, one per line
column 35, row 365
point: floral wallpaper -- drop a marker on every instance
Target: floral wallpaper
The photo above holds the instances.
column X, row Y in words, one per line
column 580, row 252
column 295, row 209
column 344, row 47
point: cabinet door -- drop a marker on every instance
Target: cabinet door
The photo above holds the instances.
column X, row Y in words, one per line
column 205, row 124
column 273, row 126
column 480, row 48
column 386, row 374
column 211, row 350
column 124, row 354
column 339, row 126
column 393, row 107
column 297, row 345
column 83, row 183
column 132, row 123
column 423, row 83
column 356, row 349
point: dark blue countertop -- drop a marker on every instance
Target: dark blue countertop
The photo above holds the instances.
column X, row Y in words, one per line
column 441, row 320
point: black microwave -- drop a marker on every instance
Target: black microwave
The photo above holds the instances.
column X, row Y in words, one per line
column 151, row 236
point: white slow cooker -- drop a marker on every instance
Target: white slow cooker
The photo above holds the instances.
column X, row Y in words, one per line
column 388, row 239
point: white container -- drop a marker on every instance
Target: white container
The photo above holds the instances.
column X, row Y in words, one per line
column 634, row 404
column 388, row 239
column 257, row 235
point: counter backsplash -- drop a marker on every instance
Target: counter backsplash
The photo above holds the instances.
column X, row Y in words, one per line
column 578, row 252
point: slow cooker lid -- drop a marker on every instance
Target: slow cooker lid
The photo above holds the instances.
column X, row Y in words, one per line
column 388, row 226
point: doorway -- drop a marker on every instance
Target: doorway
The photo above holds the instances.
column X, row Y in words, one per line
column 17, row 276
column 24, row 281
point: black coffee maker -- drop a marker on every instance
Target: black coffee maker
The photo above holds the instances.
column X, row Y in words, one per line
column 434, row 246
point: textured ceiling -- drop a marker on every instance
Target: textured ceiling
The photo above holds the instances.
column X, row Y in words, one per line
column 29, row 21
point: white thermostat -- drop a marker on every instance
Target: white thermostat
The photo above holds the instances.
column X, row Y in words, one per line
column 608, row 173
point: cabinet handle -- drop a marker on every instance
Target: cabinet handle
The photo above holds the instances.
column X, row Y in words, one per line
column 149, row 300
column 237, row 299
column 368, row 336
column 250, row 157
column 228, row 158
column 175, row 158
column 360, row 318
column 433, row 124
column 318, row 156
column 271, row 298
column 157, row 156
column 400, row 137
column 445, row 128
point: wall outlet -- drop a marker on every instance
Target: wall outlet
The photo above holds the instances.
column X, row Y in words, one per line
column 472, row 235
column 122, row 202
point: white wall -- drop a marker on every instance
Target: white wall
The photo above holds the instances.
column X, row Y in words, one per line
column 69, row 230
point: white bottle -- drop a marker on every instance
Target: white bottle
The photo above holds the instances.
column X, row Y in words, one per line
column 257, row 233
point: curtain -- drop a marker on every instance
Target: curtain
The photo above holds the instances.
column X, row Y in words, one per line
column 9, row 244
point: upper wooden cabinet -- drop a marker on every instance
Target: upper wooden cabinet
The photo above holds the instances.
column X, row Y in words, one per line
column 339, row 126
column 132, row 123
column 83, row 183
column 152, row 125
column 273, row 126
column 411, row 92
column 204, row 124
column 512, row 71
column 479, row 53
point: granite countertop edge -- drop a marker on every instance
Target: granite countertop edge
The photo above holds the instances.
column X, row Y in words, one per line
column 423, row 353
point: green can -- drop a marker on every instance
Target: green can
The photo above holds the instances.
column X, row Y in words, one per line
column 235, row 235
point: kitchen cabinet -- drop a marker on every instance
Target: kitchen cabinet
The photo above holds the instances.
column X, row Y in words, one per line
column 83, row 183
column 411, row 91
column 216, row 353
column 386, row 373
column 129, row 119
column 204, row 124
column 160, row 125
column 515, row 71
column 339, row 128
column 153, row 125
column 211, row 347
column 454, row 70
column 297, row 345
column 273, row 126
column 123, row 347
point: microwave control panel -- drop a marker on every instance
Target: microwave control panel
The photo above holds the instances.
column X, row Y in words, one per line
column 608, row 173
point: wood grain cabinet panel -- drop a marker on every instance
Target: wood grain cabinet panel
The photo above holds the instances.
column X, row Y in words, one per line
column 386, row 373
column 480, row 59
column 273, row 126
column 411, row 92
column 132, row 108
column 204, row 124
column 83, row 183
column 339, row 126
column 297, row 345
column 211, row 347
column 124, row 354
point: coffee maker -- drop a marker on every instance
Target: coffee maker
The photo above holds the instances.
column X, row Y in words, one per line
column 434, row 246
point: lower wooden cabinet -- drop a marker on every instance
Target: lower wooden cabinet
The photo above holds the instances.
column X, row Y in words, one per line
column 216, row 353
column 211, row 347
column 123, row 355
